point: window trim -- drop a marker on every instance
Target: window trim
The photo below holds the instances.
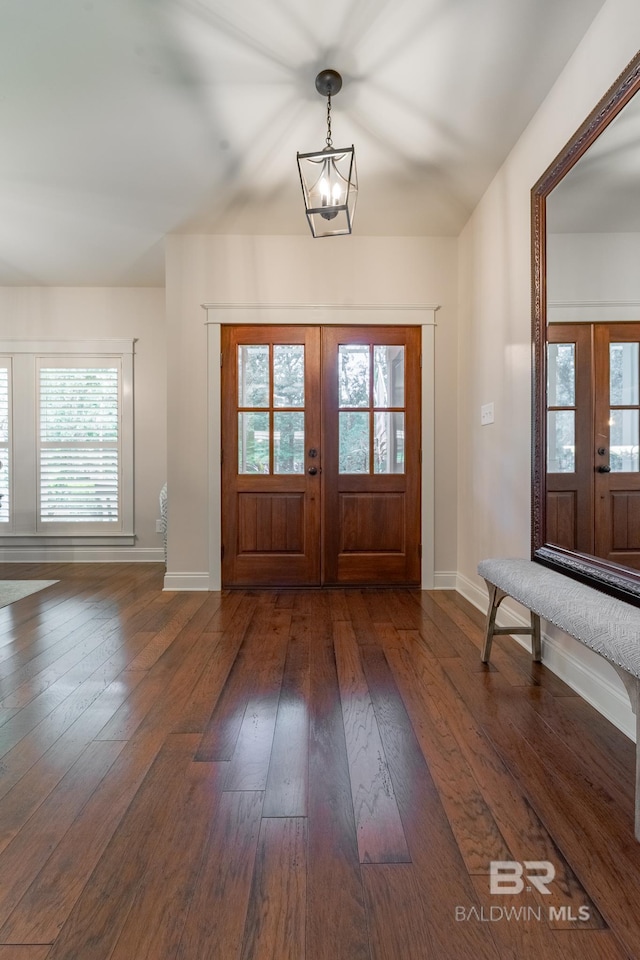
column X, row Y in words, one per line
column 22, row 528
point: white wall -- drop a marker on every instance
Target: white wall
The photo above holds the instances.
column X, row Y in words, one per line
column 494, row 464
column 266, row 270
column 593, row 276
column 88, row 313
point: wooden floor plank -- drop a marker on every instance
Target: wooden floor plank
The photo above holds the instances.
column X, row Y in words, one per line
column 48, row 642
column 398, row 913
column 477, row 834
column 60, row 737
column 223, row 650
column 161, row 639
column 24, row 952
column 215, row 922
column 96, row 921
column 156, row 920
column 444, row 880
column 275, row 924
column 249, row 764
column 24, row 851
column 379, row 828
column 336, row 914
column 223, row 727
column 287, row 781
column 140, row 699
column 42, row 911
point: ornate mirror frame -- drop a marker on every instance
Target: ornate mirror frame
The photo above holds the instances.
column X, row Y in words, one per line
column 609, row 577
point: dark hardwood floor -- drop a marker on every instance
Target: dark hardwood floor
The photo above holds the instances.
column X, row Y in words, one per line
column 297, row 775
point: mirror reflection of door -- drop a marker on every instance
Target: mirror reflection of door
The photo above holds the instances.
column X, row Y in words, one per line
column 593, row 439
column 321, row 455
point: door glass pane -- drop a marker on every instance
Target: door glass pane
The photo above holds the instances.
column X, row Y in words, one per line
column 561, row 375
column 388, row 376
column 288, row 442
column 561, row 449
column 354, row 443
column 353, row 373
column 388, row 442
column 623, row 443
column 253, row 375
column 623, row 373
column 253, row 443
column 288, row 375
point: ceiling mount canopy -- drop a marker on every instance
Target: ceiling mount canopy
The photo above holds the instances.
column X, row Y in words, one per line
column 328, row 176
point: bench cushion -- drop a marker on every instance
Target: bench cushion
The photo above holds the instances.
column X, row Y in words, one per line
column 609, row 626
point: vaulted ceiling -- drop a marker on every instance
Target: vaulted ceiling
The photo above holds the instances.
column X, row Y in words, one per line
column 125, row 120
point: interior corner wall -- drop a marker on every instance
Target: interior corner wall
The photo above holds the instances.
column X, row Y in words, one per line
column 494, row 464
column 68, row 313
column 344, row 271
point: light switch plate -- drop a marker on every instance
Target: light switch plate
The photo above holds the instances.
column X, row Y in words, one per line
column 486, row 414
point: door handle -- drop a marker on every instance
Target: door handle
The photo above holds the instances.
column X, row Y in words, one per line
column 312, row 471
column 604, row 468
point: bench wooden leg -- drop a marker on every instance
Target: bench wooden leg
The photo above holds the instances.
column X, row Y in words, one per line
column 536, row 646
column 496, row 596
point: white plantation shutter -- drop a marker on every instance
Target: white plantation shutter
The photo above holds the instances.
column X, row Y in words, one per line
column 79, row 448
column 5, row 412
column 66, row 445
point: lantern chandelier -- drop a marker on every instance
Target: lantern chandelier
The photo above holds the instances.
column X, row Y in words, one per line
column 328, row 176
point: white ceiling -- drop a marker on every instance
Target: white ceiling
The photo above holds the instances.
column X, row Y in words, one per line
column 124, row 120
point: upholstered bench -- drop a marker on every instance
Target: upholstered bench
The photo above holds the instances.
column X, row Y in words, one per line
column 608, row 626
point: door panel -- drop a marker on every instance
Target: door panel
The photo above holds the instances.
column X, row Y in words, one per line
column 371, row 454
column 617, row 428
column 270, row 420
column 569, row 482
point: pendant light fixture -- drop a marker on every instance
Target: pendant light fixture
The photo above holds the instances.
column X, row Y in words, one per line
column 328, row 176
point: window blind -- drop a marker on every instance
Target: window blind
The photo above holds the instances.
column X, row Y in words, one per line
column 79, row 455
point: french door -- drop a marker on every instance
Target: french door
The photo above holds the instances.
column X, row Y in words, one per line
column 593, row 439
column 321, row 455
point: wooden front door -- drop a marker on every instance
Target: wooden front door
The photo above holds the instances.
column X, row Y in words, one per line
column 321, row 455
column 593, row 440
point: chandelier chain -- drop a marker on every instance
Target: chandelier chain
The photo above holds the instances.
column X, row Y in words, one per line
column 329, row 140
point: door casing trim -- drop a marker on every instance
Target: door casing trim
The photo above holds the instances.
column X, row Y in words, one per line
column 422, row 315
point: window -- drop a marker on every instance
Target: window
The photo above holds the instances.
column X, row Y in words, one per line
column 66, row 442
column 4, row 441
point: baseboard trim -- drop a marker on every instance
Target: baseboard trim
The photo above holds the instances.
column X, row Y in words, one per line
column 445, row 580
column 606, row 697
column 186, row 581
column 81, row 554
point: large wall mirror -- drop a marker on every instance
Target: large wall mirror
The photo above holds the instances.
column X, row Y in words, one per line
column 586, row 332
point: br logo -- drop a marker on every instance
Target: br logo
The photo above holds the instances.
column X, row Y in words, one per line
column 511, row 876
